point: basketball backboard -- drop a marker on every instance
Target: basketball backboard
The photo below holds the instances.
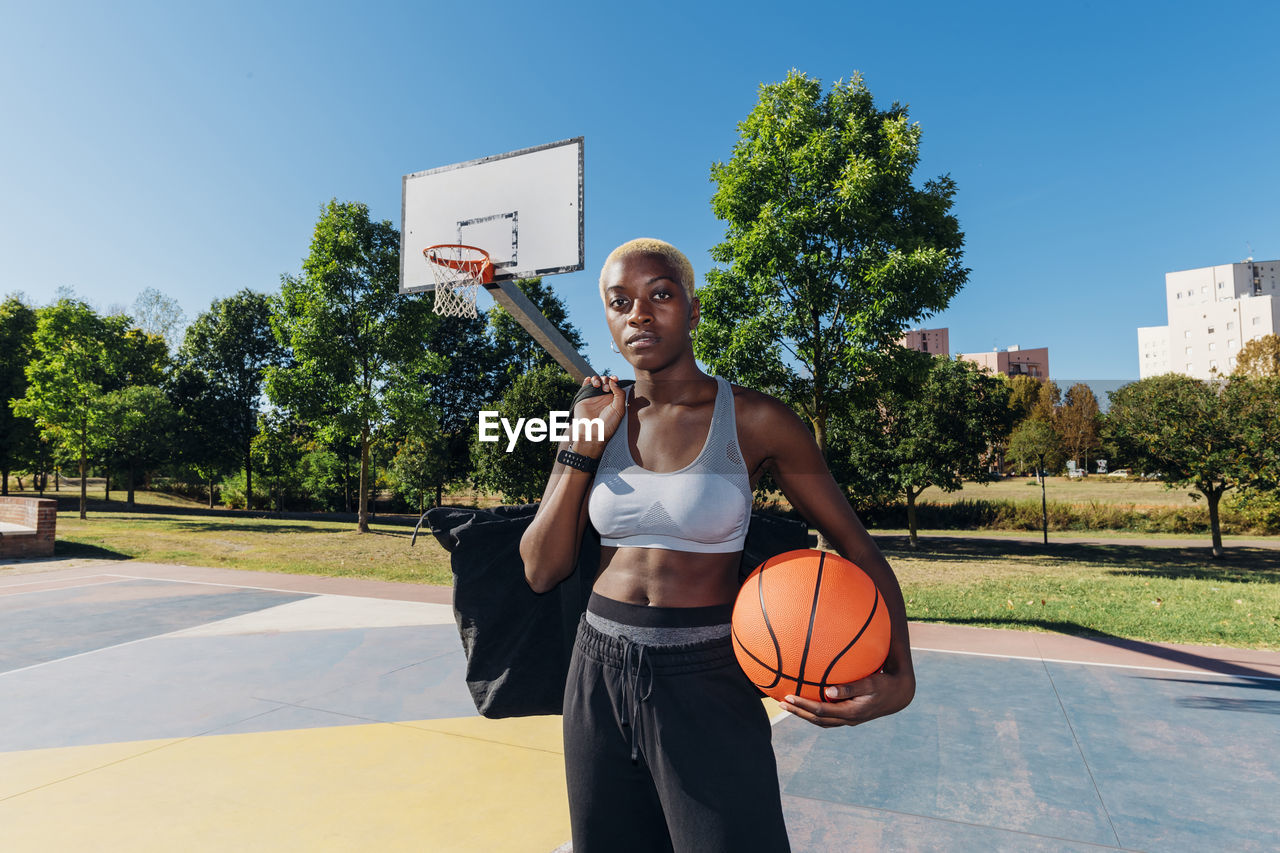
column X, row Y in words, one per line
column 524, row 208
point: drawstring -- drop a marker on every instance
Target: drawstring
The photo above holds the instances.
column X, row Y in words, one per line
column 634, row 668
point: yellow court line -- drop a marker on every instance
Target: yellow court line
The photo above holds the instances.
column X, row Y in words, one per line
column 440, row 785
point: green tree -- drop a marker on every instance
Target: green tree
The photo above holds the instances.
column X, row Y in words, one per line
column 1078, row 421
column 278, row 450
column 830, row 249
column 1191, row 432
column 414, row 470
column 73, row 361
column 206, row 419
column 1259, row 357
column 350, row 330
column 1024, row 393
column 233, row 345
column 135, row 430
column 18, row 435
column 520, row 475
column 1036, row 446
column 935, row 423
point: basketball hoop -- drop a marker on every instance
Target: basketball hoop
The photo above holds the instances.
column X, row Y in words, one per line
column 459, row 271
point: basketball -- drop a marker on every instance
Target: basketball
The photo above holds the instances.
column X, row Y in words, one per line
column 806, row 620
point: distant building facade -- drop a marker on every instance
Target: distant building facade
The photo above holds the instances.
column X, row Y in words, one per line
column 932, row 341
column 1213, row 312
column 1013, row 361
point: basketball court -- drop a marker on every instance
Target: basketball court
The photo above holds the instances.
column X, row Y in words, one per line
column 150, row 707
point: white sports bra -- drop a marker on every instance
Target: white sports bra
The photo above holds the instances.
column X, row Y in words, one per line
column 705, row 507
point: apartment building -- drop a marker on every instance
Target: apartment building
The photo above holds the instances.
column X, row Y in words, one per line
column 1013, row 361
column 1213, row 312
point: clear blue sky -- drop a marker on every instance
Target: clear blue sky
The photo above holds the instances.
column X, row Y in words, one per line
column 189, row 147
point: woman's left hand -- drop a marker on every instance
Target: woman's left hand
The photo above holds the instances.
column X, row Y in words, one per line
column 877, row 695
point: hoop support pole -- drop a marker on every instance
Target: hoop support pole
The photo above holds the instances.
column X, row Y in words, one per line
column 512, row 298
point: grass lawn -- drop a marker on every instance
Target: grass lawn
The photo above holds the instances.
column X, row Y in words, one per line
column 1092, row 489
column 1173, row 594
column 272, row 545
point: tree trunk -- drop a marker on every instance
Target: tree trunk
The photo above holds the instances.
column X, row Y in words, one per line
column 57, row 479
column 1211, row 497
column 248, row 477
column 210, row 491
column 106, row 484
column 911, row 515
column 4, row 481
column 362, row 498
column 820, row 436
column 1044, row 504
column 440, row 493
column 129, row 499
column 346, row 479
column 84, row 483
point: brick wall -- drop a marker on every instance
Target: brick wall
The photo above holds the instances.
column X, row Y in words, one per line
column 39, row 516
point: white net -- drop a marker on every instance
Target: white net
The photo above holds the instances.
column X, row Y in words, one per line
column 459, row 272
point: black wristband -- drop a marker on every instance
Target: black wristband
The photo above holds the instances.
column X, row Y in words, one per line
column 578, row 461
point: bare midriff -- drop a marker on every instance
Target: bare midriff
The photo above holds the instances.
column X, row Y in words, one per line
column 660, row 578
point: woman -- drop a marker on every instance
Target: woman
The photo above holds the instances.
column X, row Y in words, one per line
column 667, row 745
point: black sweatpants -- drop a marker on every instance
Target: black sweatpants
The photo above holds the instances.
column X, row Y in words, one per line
column 667, row 748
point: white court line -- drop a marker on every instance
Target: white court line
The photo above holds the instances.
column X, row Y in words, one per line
column 1206, row 673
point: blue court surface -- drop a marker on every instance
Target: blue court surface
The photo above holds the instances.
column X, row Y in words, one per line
column 149, row 707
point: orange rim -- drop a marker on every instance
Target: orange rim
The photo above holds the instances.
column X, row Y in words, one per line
column 480, row 267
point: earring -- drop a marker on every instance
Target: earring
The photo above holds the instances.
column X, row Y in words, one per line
column 613, row 346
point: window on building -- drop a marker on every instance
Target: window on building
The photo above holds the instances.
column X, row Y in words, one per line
column 1221, row 285
column 1230, row 325
column 1203, row 289
column 1256, row 320
column 1213, row 365
column 1212, row 346
column 1232, row 361
column 1188, row 351
column 1188, row 367
column 1187, row 333
column 1211, row 330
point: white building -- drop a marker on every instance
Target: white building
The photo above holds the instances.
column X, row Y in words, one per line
column 1213, row 312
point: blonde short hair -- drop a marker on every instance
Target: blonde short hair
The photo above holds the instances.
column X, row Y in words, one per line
column 650, row 246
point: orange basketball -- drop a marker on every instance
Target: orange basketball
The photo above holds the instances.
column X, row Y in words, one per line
column 806, row 620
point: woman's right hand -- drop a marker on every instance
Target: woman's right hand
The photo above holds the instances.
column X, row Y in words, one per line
column 610, row 406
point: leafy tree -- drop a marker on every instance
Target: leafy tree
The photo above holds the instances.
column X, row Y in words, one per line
column 135, row 430
column 1048, row 401
column 1192, row 433
column 233, row 345
column 1024, row 393
column 1253, row 402
column 204, row 427
column 66, row 375
column 18, row 435
column 1078, row 422
column 830, row 249
column 350, row 330
column 278, row 451
column 1259, row 357
column 934, row 424
column 1035, row 445
column 520, row 475
column 414, row 470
